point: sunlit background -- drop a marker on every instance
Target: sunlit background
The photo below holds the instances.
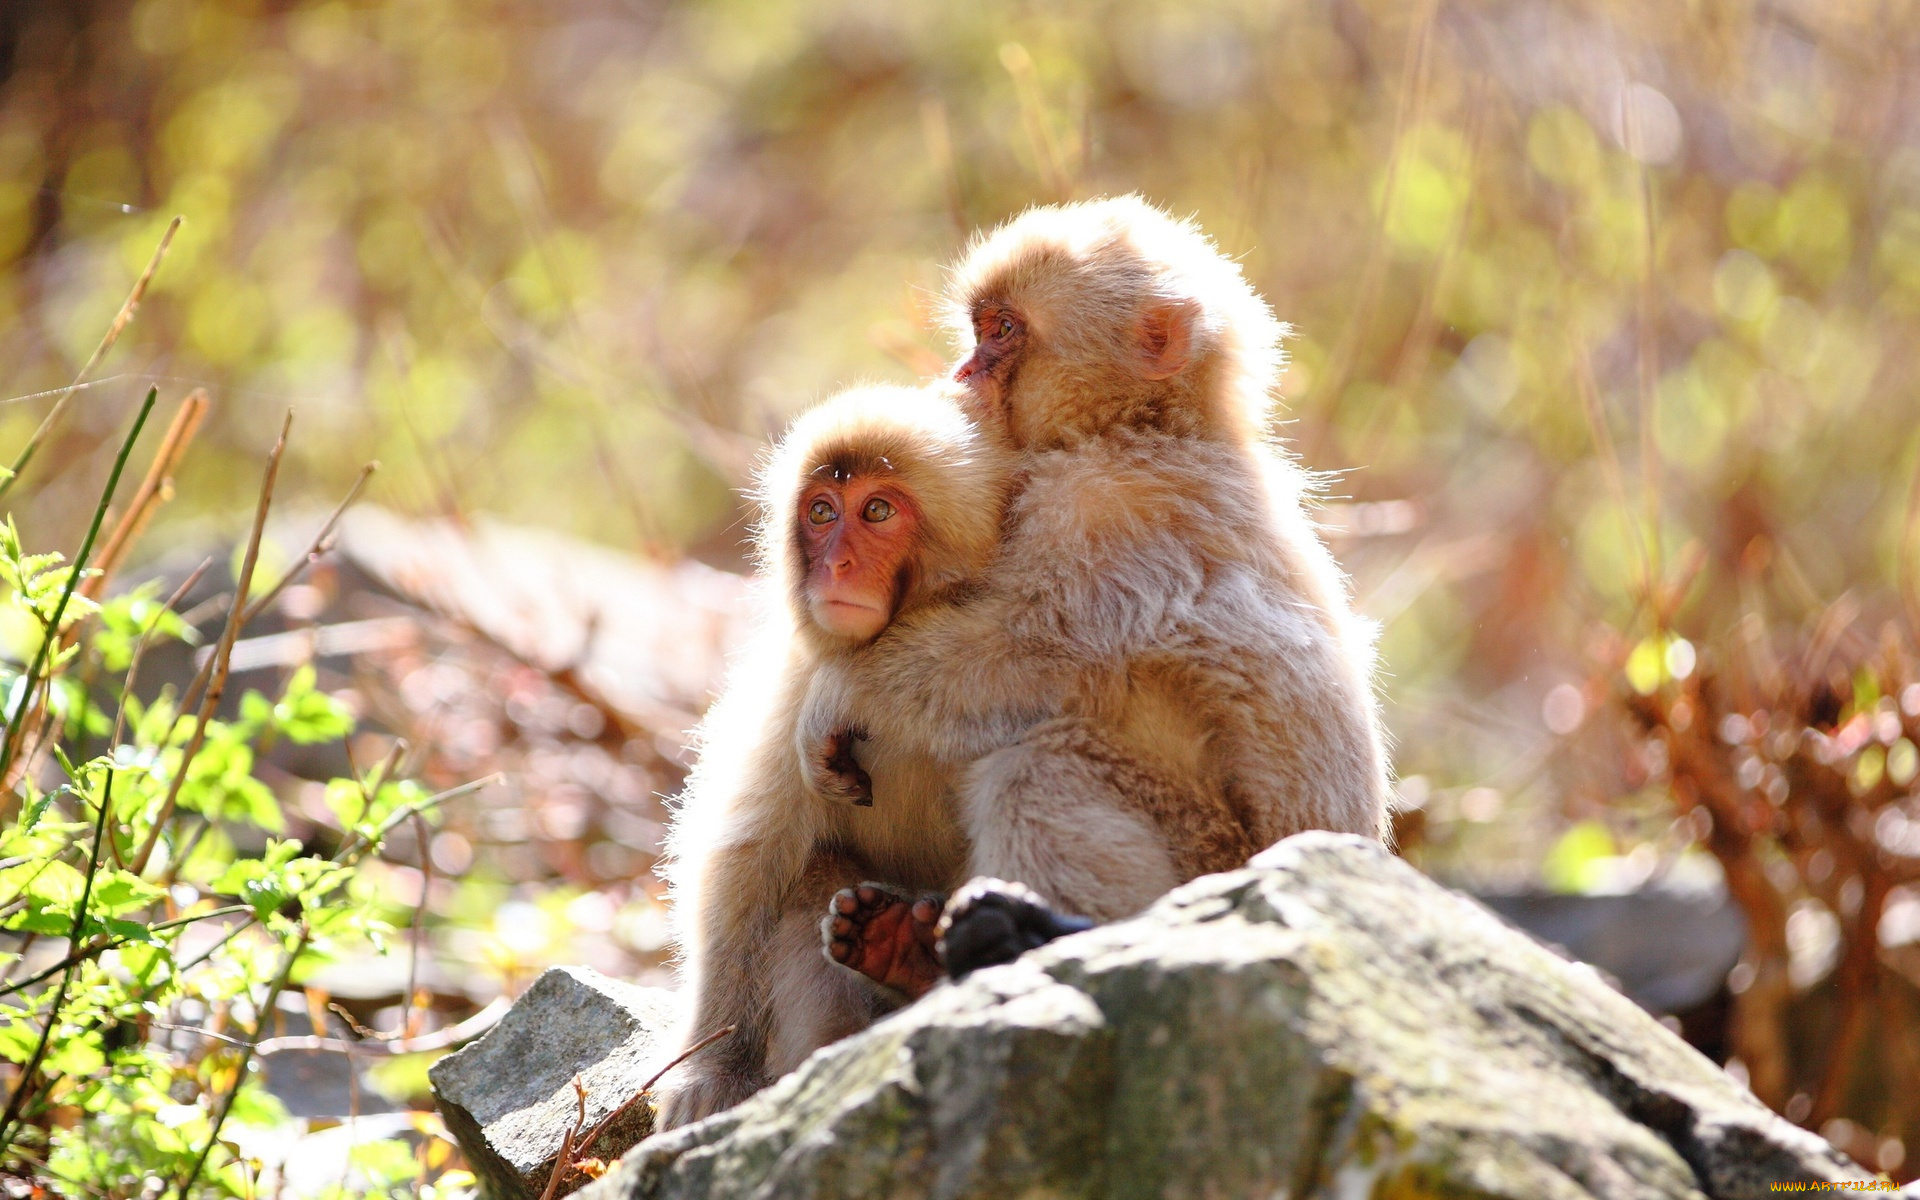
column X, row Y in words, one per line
column 1605, row 321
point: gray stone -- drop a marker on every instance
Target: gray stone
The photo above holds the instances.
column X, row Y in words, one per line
column 509, row 1098
column 1327, row 1022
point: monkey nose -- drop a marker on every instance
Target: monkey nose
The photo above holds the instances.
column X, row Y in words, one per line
column 965, row 369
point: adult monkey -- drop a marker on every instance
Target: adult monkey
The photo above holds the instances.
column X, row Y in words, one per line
column 1163, row 670
column 879, row 504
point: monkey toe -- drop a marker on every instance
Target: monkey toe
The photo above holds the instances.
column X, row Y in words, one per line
column 991, row 921
column 886, row 937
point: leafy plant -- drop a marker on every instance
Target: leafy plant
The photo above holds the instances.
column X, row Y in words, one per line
column 147, row 952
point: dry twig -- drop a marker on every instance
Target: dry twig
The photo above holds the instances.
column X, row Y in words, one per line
column 155, row 490
column 223, row 652
column 120, row 321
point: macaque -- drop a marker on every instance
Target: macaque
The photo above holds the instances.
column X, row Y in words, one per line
column 879, row 504
column 1161, row 671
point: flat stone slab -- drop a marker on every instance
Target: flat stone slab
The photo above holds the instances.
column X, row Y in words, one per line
column 1326, row 1023
column 509, row 1098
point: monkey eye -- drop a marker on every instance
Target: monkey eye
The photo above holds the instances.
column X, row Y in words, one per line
column 877, row 510
column 1004, row 328
column 820, row 512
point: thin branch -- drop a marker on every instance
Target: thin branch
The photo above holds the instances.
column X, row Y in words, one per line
column 14, row 740
column 1907, row 569
column 106, row 343
column 100, row 946
column 352, row 846
column 32, row 1066
column 140, row 649
column 1409, row 104
column 410, row 1014
column 573, row 1143
column 246, row 1058
column 939, row 137
column 564, row 1160
column 155, row 489
column 223, row 652
column 443, row 1039
column 1610, row 461
column 607, row 1121
column 1647, row 346
column 239, row 927
column 316, row 549
column 126, row 689
column 1048, row 162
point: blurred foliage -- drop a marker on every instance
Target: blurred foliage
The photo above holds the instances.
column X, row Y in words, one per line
column 1605, row 310
column 1792, row 762
column 573, row 262
column 152, row 924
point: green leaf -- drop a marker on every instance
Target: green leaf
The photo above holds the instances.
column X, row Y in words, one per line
column 346, row 801
column 221, row 785
column 256, row 712
column 386, row 1162
column 126, row 618
column 35, row 807
column 307, row 716
column 116, row 893
column 52, row 884
column 130, row 931
column 257, row 1106
column 18, row 1039
column 267, row 882
column 73, row 1054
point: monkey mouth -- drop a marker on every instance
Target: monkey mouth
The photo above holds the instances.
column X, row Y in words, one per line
column 837, row 616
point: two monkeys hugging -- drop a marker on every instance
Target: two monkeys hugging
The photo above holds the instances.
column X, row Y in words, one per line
column 1063, row 621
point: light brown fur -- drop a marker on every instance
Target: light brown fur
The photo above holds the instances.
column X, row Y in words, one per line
column 1163, row 671
column 753, row 854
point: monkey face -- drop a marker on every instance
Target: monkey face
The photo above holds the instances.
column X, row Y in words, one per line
column 1000, row 342
column 1109, row 314
column 1114, row 369
column 858, row 535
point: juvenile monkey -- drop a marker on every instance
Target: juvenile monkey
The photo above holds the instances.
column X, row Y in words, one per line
column 881, row 503
column 1161, row 671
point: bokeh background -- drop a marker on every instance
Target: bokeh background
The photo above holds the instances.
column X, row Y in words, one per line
column 1604, row 314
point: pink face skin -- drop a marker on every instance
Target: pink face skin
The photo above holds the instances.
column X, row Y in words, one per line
column 1000, row 335
column 859, row 540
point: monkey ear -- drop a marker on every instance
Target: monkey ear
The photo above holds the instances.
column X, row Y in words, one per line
column 1165, row 334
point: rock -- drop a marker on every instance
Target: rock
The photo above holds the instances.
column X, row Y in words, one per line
column 509, row 1098
column 1327, row 1022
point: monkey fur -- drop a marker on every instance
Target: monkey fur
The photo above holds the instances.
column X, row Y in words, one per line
column 754, row 855
column 1161, row 671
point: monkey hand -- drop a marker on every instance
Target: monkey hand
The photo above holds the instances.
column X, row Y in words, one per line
column 991, row 921
column 836, row 774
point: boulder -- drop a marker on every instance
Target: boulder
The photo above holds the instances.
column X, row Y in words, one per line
column 509, row 1098
column 1327, row 1022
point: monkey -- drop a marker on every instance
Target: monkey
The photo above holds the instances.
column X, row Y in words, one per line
column 1161, row 670
column 878, row 504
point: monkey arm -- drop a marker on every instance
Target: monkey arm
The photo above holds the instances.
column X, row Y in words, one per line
column 741, row 835
column 946, row 682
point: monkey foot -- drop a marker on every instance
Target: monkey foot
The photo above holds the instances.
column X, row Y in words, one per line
column 991, row 921
column 884, row 936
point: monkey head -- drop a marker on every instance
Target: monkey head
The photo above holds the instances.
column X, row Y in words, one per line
column 876, row 501
column 1082, row 318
